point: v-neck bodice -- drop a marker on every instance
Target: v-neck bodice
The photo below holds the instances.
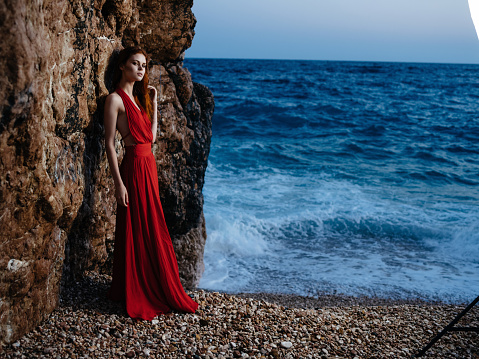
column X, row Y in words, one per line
column 139, row 123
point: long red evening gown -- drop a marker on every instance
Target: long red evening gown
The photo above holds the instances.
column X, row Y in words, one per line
column 145, row 270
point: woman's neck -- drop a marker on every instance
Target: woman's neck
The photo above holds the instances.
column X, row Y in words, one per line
column 127, row 87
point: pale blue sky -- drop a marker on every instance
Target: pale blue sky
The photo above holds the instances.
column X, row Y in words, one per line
column 358, row 30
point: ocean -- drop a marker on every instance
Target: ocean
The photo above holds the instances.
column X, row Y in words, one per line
column 356, row 178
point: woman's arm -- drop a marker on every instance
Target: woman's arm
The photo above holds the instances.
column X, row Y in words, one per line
column 110, row 118
column 154, row 120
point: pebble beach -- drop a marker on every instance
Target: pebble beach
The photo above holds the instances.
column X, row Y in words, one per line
column 260, row 325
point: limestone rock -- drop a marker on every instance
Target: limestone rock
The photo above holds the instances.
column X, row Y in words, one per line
column 57, row 210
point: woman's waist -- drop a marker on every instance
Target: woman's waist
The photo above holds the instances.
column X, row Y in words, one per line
column 140, row 149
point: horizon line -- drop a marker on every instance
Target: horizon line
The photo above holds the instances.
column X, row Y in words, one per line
column 324, row 60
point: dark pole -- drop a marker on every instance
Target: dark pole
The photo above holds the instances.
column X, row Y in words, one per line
column 450, row 328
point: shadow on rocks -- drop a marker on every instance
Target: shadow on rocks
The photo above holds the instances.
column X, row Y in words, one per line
column 90, row 293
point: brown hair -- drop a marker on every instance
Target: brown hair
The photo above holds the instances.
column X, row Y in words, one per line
column 140, row 88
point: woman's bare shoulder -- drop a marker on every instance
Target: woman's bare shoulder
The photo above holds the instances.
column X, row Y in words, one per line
column 114, row 100
column 113, row 97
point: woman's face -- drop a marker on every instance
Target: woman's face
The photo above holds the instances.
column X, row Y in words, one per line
column 134, row 68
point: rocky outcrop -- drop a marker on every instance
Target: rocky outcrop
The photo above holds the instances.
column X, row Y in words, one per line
column 57, row 210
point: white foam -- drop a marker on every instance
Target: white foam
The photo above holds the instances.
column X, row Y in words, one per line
column 238, row 235
column 234, row 241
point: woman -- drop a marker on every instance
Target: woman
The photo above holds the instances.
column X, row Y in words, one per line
column 145, row 270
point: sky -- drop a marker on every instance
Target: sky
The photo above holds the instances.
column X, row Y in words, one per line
column 439, row 31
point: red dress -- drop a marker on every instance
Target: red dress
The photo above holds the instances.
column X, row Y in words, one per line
column 145, row 270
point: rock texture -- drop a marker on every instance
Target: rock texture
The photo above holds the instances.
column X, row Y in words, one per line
column 57, row 214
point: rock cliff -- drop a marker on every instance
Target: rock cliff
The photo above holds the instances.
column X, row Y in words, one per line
column 57, row 209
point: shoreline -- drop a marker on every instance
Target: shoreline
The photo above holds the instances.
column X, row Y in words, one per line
column 326, row 300
column 244, row 325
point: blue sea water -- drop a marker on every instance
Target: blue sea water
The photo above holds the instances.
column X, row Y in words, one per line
column 342, row 177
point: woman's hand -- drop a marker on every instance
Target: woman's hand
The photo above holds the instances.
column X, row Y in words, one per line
column 153, row 93
column 121, row 195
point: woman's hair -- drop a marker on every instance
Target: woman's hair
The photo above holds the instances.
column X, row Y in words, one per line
column 140, row 88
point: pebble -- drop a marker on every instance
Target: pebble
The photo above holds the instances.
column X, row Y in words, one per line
column 87, row 325
column 286, row 345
